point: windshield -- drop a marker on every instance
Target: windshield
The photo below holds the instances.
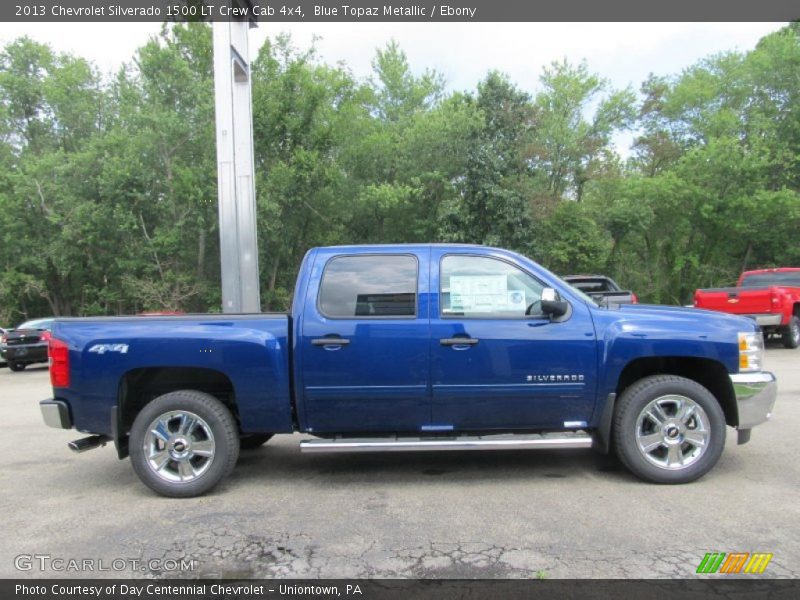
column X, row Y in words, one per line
column 37, row 324
column 790, row 278
column 597, row 285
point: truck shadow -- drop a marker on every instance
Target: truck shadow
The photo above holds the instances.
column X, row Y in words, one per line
column 773, row 343
column 34, row 368
column 285, row 462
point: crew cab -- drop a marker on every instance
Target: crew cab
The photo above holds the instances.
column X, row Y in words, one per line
column 771, row 297
column 412, row 347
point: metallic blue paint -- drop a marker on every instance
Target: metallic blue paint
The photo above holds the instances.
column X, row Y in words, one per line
column 636, row 331
column 486, row 387
column 380, row 380
column 395, row 376
column 252, row 351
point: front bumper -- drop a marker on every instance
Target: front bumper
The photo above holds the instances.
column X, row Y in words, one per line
column 56, row 414
column 755, row 396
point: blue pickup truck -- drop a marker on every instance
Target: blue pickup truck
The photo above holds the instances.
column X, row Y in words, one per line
column 412, row 347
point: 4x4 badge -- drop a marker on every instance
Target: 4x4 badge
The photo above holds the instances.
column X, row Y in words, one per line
column 103, row 348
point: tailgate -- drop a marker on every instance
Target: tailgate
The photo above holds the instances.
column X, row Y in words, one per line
column 738, row 301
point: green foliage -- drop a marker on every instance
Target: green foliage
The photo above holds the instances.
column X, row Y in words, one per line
column 108, row 200
column 571, row 240
column 492, row 206
column 568, row 148
column 713, row 187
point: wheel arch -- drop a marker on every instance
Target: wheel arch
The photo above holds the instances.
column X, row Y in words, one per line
column 140, row 386
column 709, row 373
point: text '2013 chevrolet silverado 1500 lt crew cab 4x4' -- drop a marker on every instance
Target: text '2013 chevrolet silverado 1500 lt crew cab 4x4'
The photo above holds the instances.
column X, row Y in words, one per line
column 412, row 347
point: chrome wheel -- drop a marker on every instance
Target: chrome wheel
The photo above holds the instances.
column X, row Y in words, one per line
column 179, row 446
column 673, row 432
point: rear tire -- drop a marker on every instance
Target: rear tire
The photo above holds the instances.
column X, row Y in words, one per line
column 251, row 441
column 668, row 429
column 17, row 367
column 182, row 444
column 791, row 334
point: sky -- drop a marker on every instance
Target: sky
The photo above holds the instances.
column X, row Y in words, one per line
column 624, row 53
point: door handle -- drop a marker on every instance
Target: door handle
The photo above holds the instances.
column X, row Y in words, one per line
column 539, row 323
column 330, row 341
column 458, row 341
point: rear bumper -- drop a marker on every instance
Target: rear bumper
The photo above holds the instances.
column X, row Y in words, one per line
column 766, row 320
column 755, row 396
column 26, row 354
column 56, row 414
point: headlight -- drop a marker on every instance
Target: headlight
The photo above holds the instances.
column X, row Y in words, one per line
column 751, row 351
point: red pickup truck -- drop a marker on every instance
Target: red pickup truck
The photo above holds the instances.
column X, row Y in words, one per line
column 770, row 296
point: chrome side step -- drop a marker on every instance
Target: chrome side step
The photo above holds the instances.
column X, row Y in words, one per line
column 536, row 441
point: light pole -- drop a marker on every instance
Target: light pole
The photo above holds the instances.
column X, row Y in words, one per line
column 235, row 166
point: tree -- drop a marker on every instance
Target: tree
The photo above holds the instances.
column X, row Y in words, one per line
column 567, row 148
column 161, row 175
column 301, row 110
column 398, row 93
column 52, row 110
column 492, row 207
column 108, row 187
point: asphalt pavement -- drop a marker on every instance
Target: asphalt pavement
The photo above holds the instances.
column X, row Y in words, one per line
column 530, row 514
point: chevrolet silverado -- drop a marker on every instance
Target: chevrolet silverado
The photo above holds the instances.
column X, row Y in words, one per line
column 412, row 347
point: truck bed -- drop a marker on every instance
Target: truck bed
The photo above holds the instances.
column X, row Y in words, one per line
column 248, row 352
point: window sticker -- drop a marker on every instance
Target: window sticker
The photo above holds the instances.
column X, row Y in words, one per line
column 484, row 294
column 516, row 301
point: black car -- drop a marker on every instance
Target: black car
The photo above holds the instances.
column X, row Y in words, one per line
column 27, row 344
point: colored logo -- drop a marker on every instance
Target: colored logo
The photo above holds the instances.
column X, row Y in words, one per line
column 734, row 562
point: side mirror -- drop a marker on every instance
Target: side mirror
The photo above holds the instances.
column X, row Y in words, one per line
column 552, row 304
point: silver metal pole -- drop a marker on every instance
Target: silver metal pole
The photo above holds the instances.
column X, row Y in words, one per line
column 235, row 168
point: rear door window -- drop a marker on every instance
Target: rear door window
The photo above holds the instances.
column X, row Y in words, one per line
column 376, row 286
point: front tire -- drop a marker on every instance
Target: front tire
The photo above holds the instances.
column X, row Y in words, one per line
column 182, row 444
column 668, row 429
column 791, row 334
column 17, row 366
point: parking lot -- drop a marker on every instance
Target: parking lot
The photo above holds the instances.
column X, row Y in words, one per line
column 545, row 514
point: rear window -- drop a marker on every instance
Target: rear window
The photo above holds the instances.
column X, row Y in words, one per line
column 37, row 324
column 369, row 286
column 593, row 285
column 791, row 279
